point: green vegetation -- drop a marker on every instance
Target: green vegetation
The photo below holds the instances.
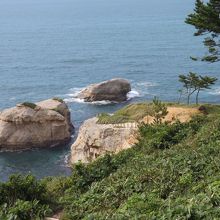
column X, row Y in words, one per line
column 194, row 83
column 130, row 113
column 23, row 198
column 58, row 99
column 159, row 111
column 172, row 173
column 206, row 20
column 29, row 104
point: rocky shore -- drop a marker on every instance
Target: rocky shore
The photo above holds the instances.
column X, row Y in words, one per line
column 48, row 123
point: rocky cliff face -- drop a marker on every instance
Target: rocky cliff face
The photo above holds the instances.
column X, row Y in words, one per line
column 26, row 126
column 98, row 139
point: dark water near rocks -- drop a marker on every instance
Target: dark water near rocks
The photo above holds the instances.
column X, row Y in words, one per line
column 55, row 47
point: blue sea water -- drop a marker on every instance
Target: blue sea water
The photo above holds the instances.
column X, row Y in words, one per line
column 56, row 47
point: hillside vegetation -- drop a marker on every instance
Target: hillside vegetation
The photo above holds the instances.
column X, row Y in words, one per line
column 136, row 112
column 172, row 173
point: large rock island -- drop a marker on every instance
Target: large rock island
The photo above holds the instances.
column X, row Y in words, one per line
column 114, row 90
column 29, row 125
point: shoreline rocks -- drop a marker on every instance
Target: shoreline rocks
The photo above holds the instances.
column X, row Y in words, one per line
column 114, row 90
column 29, row 125
column 95, row 140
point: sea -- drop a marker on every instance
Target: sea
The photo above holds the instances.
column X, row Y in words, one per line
column 55, row 48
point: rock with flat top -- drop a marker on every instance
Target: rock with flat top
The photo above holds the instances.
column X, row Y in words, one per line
column 114, row 90
column 28, row 125
column 95, row 140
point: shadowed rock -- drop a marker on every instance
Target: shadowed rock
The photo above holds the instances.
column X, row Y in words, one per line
column 114, row 90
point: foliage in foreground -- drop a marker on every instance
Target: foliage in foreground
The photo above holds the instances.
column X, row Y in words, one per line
column 172, row 173
column 23, row 197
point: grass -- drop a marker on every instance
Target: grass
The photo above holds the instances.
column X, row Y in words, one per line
column 137, row 111
column 29, row 104
column 58, row 99
column 130, row 113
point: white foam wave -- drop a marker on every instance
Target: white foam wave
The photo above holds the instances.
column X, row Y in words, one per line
column 78, row 100
column 73, row 96
column 132, row 94
column 140, row 89
column 146, row 84
column 66, row 159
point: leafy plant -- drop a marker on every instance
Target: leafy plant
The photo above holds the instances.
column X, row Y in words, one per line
column 158, row 111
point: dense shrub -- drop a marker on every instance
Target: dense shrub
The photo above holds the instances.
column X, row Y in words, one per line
column 23, row 197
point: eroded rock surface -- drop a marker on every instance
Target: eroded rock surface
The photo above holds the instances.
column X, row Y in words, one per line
column 44, row 125
column 98, row 139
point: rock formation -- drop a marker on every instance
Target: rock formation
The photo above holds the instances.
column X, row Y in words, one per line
column 98, row 139
column 28, row 125
column 114, row 90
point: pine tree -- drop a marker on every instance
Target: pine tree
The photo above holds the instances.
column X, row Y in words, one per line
column 159, row 111
column 195, row 83
column 206, row 19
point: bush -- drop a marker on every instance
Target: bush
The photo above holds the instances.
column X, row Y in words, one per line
column 23, row 196
column 25, row 210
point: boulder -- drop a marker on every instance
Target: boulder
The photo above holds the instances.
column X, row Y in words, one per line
column 114, row 90
column 28, row 125
column 96, row 139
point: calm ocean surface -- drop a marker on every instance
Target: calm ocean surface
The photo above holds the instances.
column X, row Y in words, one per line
column 56, row 47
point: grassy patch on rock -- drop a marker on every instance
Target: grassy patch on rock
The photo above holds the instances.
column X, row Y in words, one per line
column 29, row 104
column 58, row 99
column 130, row 113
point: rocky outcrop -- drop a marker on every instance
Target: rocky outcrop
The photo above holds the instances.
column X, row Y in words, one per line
column 28, row 125
column 114, row 90
column 98, row 139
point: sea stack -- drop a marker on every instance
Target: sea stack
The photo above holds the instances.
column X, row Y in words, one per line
column 29, row 125
column 114, row 90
